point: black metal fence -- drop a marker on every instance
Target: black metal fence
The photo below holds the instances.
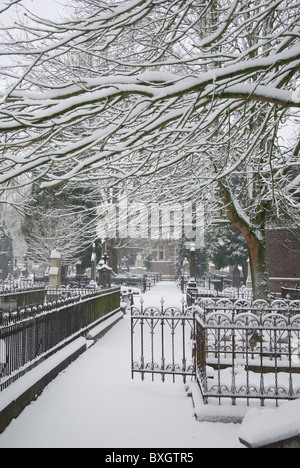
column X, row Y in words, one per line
column 144, row 283
column 236, row 349
column 248, row 350
column 21, row 297
column 161, row 342
column 16, row 286
column 30, row 335
column 214, row 285
column 292, row 293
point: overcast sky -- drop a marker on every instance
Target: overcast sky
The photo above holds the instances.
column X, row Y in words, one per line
column 51, row 9
column 45, row 8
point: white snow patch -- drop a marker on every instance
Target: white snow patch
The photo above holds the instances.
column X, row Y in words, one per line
column 263, row 427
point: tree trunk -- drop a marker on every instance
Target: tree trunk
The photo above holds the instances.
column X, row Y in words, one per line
column 256, row 241
column 113, row 254
column 259, row 266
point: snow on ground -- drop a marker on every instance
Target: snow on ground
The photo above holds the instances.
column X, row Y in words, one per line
column 263, row 427
column 94, row 403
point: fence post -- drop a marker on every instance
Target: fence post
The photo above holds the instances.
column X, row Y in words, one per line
column 200, row 339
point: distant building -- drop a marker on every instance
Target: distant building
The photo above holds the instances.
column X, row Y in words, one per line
column 163, row 258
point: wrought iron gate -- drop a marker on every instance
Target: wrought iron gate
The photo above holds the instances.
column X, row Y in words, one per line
column 235, row 349
column 162, row 341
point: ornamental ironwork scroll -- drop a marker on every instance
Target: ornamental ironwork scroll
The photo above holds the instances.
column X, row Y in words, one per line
column 162, row 341
column 235, row 349
column 254, row 354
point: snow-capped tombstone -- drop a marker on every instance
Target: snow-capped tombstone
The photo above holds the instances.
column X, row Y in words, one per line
column 104, row 272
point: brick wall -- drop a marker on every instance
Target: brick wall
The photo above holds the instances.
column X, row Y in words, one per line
column 284, row 258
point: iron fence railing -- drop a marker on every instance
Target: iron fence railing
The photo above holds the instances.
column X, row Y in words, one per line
column 19, row 296
column 248, row 351
column 236, row 349
column 29, row 335
column 62, row 292
column 293, row 293
column 14, row 286
column 236, row 306
column 161, row 342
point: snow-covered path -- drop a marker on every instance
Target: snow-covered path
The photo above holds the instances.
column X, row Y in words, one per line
column 95, row 404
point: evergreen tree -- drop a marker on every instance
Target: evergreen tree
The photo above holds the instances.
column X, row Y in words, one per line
column 226, row 246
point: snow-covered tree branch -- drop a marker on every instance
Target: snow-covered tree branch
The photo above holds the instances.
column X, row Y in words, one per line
column 154, row 90
column 145, row 78
column 7, row 4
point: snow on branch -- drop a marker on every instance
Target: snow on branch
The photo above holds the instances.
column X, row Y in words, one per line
column 7, row 4
column 109, row 92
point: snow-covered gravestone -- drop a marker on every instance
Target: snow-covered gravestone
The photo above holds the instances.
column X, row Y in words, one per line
column 104, row 273
column 55, row 269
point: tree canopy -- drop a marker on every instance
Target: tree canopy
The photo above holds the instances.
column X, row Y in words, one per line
column 127, row 88
column 191, row 94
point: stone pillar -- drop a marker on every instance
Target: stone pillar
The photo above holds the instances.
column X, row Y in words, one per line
column 193, row 263
column 94, row 264
column 55, row 269
column 192, row 285
column 249, row 278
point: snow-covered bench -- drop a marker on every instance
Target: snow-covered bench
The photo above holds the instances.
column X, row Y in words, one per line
column 272, row 428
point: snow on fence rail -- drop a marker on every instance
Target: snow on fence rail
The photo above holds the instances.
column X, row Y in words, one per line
column 18, row 298
column 12, row 287
column 30, row 335
column 253, row 349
